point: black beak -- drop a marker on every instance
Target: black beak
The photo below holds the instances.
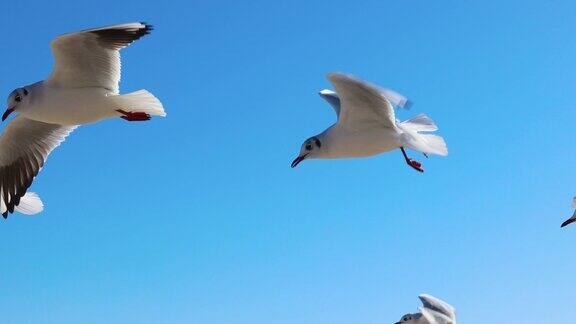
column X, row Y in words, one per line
column 568, row 222
column 298, row 160
column 7, row 113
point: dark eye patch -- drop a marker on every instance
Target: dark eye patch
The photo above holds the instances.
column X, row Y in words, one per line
column 318, row 143
column 309, row 147
column 25, row 91
column 18, row 99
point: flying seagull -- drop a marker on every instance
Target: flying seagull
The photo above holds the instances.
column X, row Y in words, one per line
column 433, row 311
column 573, row 218
column 367, row 126
column 82, row 89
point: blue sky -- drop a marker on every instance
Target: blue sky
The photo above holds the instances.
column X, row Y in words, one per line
column 198, row 218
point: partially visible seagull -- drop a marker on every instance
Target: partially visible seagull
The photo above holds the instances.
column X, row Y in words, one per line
column 573, row 218
column 367, row 125
column 82, row 89
column 434, row 311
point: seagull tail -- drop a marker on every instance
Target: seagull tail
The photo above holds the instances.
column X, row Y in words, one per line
column 414, row 138
column 30, row 204
column 139, row 101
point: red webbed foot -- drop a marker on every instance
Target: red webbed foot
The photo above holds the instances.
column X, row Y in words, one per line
column 133, row 115
column 415, row 165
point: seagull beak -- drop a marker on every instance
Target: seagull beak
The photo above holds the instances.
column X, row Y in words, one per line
column 298, row 160
column 7, row 113
column 568, row 222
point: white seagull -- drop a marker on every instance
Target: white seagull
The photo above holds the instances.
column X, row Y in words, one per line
column 573, row 218
column 82, row 89
column 367, row 126
column 434, row 311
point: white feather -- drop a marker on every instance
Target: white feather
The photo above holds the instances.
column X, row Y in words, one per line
column 30, row 204
column 425, row 143
column 139, row 101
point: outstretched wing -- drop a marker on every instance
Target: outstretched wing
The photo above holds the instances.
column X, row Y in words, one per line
column 91, row 58
column 24, row 148
column 437, row 305
column 332, row 98
column 362, row 105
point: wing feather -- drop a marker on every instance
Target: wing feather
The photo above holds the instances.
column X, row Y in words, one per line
column 434, row 304
column 332, row 98
column 91, row 58
column 24, row 148
column 361, row 104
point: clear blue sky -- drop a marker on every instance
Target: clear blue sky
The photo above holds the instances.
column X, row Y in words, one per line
column 198, row 218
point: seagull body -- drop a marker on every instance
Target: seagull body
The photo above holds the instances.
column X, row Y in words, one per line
column 343, row 142
column 573, row 218
column 433, row 311
column 68, row 106
column 83, row 88
column 367, row 125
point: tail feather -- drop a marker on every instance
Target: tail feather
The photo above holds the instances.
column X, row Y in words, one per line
column 426, row 143
column 30, row 204
column 139, row 101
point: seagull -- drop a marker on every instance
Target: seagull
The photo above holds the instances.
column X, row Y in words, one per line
column 82, row 89
column 573, row 218
column 367, row 126
column 434, row 311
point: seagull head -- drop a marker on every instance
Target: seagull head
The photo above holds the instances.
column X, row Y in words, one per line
column 15, row 99
column 409, row 319
column 310, row 148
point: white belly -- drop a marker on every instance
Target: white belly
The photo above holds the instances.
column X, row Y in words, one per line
column 68, row 106
column 348, row 143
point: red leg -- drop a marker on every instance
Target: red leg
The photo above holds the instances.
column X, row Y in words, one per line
column 412, row 163
column 133, row 116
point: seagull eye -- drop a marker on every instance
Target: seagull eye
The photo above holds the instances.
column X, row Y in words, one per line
column 309, row 147
column 318, row 143
column 25, row 92
column 18, row 99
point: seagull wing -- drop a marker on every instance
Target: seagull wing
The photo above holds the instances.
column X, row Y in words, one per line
column 24, row 147
column 437, row 305
column 91, row 58
column 396, row 99
column 434, row 317
column 362, row 105
column 332, row 98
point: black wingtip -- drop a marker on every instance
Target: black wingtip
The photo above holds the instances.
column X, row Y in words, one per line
column 120, row 36
column 5, row 215
column 147, row 27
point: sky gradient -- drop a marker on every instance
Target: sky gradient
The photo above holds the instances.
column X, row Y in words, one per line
column 198, row 218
